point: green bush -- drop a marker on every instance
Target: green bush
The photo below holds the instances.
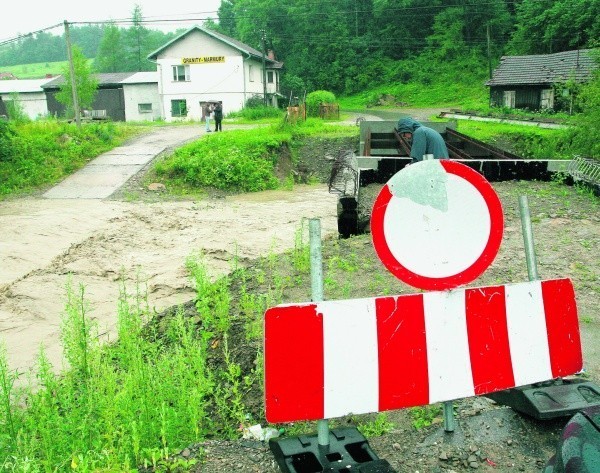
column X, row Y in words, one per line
column 316, row 98
column 7, row 135
column 258, row 113
column 256, row 101
column 240, row 161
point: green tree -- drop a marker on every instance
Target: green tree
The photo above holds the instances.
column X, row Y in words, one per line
column 111, row 55
column 85, row 83
column 548, row 26
column 585, row 135
column 226, row 14
column 136, row 43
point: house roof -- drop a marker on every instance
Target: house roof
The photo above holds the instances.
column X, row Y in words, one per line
column 104, row 79
column 544, row 68
column 142, row 78
column 22, row 86
column 234, row 43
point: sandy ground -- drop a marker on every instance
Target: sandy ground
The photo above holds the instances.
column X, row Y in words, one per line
column 44, row 243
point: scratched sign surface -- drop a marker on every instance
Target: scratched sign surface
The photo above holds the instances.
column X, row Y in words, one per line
column 334, row 358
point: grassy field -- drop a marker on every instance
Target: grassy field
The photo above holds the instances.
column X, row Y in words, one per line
column 35, row 71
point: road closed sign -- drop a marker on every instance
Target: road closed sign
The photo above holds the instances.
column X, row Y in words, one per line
column 437, row 224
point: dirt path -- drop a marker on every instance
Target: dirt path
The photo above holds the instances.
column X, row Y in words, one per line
column 44, row 243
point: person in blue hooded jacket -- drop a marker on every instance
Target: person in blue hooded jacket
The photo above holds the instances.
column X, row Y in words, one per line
column 424, row 140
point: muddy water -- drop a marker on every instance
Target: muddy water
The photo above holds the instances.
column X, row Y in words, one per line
column 44, row 243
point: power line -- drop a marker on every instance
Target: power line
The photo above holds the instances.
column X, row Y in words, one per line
column 191, row 17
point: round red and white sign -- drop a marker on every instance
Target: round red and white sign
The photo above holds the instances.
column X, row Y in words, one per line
column 437, row 224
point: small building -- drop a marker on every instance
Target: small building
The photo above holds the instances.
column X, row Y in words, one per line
column 202, row 66
column 140, row 95
column 533, row 81
column 109, row 101
column 28, row 93
column 121, row 96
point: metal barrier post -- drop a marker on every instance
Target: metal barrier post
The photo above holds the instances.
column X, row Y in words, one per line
column 528, row 239
column 316, row 282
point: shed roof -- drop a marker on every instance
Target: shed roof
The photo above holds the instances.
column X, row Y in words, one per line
column 147, row 77
column 544, row 68
column 223, row 38
column 104, row 79
column 22, row 86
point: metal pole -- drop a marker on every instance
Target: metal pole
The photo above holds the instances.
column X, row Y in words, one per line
column 528, row 239
column 448, row 416
column 316, row 282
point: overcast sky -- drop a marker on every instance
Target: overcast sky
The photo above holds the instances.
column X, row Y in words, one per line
column 26, row 16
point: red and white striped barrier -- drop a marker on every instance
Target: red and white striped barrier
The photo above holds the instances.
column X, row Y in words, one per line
column 334, row 358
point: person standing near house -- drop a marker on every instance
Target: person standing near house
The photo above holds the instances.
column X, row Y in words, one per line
column 424, row 140
column 208, row 109
column 218, row 116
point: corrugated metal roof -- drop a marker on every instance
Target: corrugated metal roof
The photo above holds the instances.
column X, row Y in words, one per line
column 22, row 85
column 104, row 78
column 544, row 68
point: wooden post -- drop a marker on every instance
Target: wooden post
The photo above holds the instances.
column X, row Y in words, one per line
column 73, row 78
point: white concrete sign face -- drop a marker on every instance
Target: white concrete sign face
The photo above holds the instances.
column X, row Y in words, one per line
column 437, row 224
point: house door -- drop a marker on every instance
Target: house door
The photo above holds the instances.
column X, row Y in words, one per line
column 509, row 98
column 547, row 99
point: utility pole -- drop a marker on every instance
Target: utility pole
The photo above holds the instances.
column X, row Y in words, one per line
column 489, row 51
column 264, row 68
column 73, row 78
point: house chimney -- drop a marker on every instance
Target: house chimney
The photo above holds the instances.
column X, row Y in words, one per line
column 271, row 55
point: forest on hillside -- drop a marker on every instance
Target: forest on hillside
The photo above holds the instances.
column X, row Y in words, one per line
column 348, row 45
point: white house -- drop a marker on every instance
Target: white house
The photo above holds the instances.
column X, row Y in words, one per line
column 28, row 93
column 201, row 66
column 140, row 95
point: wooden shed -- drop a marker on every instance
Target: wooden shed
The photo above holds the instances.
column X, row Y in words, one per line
column 108, row 103
column 533, row 81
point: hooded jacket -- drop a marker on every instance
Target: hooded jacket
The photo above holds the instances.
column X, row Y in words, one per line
column 425, row 140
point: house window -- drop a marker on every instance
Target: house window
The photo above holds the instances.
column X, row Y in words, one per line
column 181, row 73
column 270, row 77
column 178, row 108
column 144, row 107
column 250, row 73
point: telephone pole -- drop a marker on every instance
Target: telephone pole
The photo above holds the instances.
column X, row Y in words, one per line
column 73, row 78
column 264, row 68
column 489, row 50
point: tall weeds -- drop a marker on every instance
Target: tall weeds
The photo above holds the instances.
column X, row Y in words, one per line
column 159, row 388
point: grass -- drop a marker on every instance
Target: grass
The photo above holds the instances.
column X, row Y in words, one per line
column 181, row 377
column 41, row 153
column 159, row 387
column 38, row 70
column 240, row 160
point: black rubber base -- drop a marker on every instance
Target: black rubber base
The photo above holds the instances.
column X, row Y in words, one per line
column 348, row 451
column 557, row 398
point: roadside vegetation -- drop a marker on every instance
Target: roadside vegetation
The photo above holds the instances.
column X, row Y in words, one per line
column 171, row 379
column 36, row 154
column 193, row 372
column 242, row 160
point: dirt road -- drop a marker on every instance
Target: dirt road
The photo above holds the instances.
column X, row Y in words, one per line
column 44, row 243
